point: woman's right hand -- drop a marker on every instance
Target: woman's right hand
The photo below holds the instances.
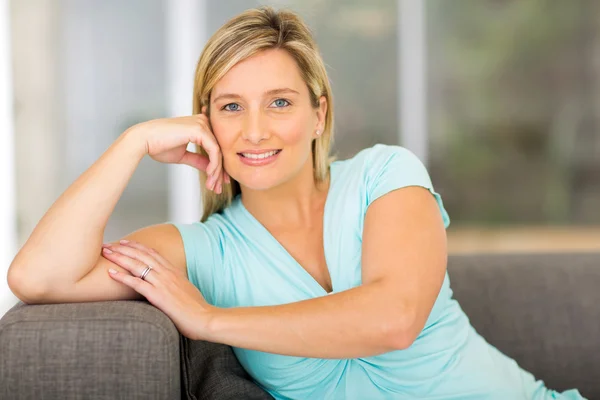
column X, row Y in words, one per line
column 166, row 141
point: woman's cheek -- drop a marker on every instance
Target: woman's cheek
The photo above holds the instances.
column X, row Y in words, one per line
column 293, row 132
column 224, row 133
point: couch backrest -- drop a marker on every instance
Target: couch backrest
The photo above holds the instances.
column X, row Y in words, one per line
column 543, row 310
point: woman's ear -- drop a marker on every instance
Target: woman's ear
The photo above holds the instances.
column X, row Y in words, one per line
column 321, row 113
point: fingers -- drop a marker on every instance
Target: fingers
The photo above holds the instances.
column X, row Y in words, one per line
column 209, row 143
column 143, row 287
column 153, row 253
column 214, row 154
column 215, row 172
column 195, row 160
column 133, row 260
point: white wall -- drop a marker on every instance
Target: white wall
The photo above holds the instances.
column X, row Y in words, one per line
column 7, row 163
column 186, row 36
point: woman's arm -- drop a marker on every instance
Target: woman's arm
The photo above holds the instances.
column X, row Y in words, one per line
column 66, row 242
column 65, row 245
column 403, row 266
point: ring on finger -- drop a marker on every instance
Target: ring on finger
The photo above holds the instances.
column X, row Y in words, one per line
column 145, row 272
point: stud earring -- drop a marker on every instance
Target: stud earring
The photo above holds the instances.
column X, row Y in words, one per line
column 318, row 132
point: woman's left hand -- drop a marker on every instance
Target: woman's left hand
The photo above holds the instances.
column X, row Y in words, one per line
column 165, row 287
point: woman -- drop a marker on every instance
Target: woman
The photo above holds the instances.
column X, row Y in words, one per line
column 328, row 278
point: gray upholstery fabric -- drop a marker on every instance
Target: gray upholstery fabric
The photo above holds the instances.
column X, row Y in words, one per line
column 542, row 310
column 101, row 350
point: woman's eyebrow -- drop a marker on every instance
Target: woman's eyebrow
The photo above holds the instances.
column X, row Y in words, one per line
column 267, row 93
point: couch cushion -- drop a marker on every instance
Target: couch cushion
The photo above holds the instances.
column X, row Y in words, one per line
column 211, row 371
column 543, row 310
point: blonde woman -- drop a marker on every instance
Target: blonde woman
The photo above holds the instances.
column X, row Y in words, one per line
column 328, row 278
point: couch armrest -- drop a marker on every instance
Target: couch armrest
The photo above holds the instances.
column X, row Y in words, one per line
column 95, row 350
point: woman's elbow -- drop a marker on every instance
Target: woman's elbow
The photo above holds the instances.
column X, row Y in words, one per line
column 402, row 332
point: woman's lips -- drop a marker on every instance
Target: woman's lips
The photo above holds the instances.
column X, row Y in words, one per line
column 256, row 162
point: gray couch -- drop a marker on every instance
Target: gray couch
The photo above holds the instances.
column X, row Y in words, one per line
column 542, row 310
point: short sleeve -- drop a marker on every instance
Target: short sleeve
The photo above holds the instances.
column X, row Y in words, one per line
column 202, row 253
column 393, row 167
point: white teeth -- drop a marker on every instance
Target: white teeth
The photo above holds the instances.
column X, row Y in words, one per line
column 260, row 156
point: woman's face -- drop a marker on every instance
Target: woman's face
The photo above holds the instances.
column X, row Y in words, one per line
column 262, row 117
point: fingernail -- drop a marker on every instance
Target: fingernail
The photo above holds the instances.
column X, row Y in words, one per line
column 107, row 251
column 123, row 241
column 112, row 271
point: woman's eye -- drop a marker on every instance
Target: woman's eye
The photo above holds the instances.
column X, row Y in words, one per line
column 235, row 106
column 281, row 103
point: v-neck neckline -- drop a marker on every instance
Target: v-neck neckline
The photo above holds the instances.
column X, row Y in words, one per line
column 297, row 265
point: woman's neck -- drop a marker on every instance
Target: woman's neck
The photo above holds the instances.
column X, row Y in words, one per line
column 292, row 204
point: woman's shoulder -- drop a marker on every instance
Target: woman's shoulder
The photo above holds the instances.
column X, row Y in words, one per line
column 205, row 245
column 215, row 228
column 380, row 169
column 206, row 235
column 376, row 156
column 368, row 164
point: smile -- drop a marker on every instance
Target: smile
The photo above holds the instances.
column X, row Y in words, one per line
column 256, row 159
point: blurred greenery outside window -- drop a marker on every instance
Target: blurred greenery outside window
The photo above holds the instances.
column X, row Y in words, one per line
column 514, row 108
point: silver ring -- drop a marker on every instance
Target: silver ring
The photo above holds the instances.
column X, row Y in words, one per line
column 146, row 272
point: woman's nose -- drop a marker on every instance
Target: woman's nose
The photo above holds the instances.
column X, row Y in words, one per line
column 255, row 129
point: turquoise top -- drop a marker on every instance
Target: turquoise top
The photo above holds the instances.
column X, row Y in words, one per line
column 235, row 261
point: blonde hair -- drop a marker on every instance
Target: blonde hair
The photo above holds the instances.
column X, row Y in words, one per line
column 241, row 37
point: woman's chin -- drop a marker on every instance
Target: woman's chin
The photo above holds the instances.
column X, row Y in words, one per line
column 257, row 187
column 257, row 184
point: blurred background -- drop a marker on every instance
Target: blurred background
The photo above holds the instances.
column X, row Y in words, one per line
column 500, row 99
